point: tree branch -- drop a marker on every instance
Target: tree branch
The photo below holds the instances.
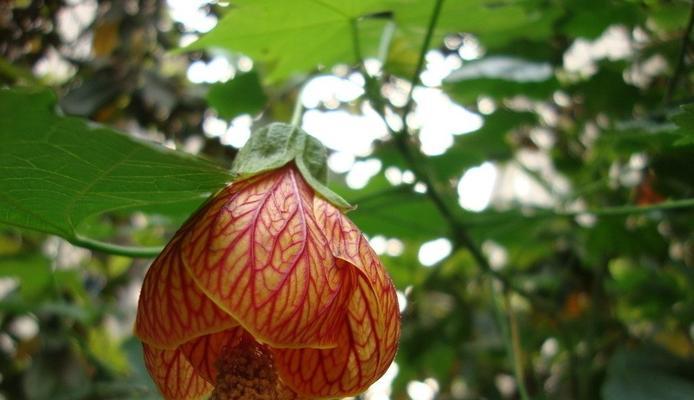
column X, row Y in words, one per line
column 680, row 67
column 414, row 80
column 435, row 191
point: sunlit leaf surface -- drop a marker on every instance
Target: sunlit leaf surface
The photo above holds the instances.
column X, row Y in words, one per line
column 57, row 170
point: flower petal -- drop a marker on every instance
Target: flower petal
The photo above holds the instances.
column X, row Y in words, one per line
column 172, row 309
column 349, row 243
column 174, row 375
column 369, row 335
column 366, row 347
column 203, row 352
column 260, row 255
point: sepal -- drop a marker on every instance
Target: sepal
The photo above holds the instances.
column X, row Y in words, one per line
column 278, row 144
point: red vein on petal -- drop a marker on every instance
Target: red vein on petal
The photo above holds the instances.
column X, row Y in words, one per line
column 370, row 332
column 272, row 269
column 362, row 355
column 171, row 308
column 349, row 243
column 174, row 375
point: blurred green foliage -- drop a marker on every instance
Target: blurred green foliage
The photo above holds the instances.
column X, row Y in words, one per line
column 593, row 296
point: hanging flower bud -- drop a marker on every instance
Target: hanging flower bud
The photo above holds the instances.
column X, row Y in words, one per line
column 269, row 291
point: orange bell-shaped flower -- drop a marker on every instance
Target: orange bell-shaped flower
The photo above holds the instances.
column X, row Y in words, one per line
column 268, row 291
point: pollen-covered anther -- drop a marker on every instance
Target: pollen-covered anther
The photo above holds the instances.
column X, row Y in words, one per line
column 247, row 371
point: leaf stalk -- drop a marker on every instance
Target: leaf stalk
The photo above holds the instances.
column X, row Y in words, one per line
column 115, row 249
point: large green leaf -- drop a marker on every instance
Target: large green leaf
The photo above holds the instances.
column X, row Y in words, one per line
column 401, row 214
column 637, row 136
column 647, row 375
column 393, row 211
column 619, row 101
column 495, row 23
column 590, row 18
column 295, row 36
column 241, row 95
column 298, row 36
column 685, row 120
column 537, row 26
column 500, row 77
column 33, row 272
column 471, row 16
column 56, row 171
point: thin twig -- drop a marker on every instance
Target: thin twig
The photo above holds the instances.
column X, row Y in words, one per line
column 356, row 42
column 414, row 80
column 506, row 334
column 298, row 109
column 617, row 210
column 516, row 350
column 680, row 67
column 372, row 84
column 461, row 239
column 401, row 136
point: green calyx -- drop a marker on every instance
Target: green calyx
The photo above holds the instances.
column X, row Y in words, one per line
column 278, row 144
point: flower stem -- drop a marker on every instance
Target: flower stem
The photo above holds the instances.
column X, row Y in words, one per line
column 118, row 250
column 384, row 43
column 298, row 109
column 509, row 333
column 516, row 351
